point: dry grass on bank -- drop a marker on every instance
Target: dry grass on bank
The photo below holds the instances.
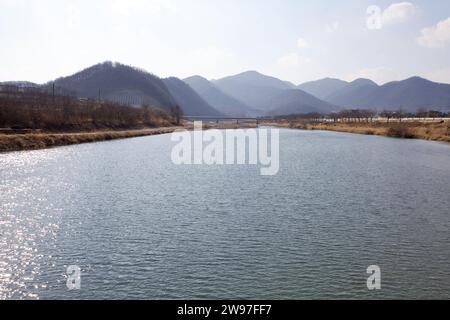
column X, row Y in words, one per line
column 31, row 141
column 408, row 130
column 41, row 140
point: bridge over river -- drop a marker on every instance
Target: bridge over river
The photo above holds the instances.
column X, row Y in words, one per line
column 226, row 119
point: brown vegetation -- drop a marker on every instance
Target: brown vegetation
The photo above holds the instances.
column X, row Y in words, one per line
column 30, row 141
column 30, row 108
column 35, row 118
column 437, row 131
column 424, row 124
column 40, row 140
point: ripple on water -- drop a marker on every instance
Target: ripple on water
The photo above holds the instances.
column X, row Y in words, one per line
column 140, row 227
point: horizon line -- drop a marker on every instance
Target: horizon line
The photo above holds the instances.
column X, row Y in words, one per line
column 226, row 76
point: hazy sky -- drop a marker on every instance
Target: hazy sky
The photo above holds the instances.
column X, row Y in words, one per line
column 296, row 40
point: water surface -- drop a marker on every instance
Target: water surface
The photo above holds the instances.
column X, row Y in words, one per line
column 141, row 227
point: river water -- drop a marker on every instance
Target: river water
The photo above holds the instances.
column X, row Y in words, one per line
column 140, row 227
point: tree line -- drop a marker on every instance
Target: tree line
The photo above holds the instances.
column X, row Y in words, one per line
column 50, row 109
column 361, row 115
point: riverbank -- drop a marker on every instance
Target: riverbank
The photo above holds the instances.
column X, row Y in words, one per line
column 41, row 140
column 33, row 141
column 408, row 130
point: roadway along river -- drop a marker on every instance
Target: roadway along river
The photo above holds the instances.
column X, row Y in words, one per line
column 142, row 227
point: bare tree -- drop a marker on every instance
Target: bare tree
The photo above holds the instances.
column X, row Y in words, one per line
column 387, row 114
column 41, row 109
column 176, row 113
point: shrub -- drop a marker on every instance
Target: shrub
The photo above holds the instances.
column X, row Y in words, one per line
column 400, row 131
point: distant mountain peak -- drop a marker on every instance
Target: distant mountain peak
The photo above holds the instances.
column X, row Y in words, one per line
column 189, row 100
column 323, row 88
column 333, row 79
column 25, row 84
column 247, row 75
column 418, row 79
column 296, row 101
column 252, row 87
column 259, row 79
column 363, row 81
column 195, row 77
column 253, row 72
column 218, row 99
column 120, row 83
column 410, row 95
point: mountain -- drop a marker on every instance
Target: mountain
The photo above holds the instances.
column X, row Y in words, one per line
column 20, row 84
column 218, row 99
column 409, row 95
column 191, row 103
column 246, row 94
column 412, row 94
column 257, row 79
column 354, row 94
column 295, row 101
column 120, row 83
column 253, row 88
column 323, row 88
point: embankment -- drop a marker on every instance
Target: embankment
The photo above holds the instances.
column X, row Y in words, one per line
column 32, row 141
column 409, row 130
column 42, row 140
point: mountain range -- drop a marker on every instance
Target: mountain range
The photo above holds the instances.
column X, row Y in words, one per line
column 136, row 87
column 322, row 89
column 253, row 88
column 189, row 100
column 271, row 96
column 20, row 84
column 295, row 101
column 409, row 95
column 250, row 93
column 224, row 103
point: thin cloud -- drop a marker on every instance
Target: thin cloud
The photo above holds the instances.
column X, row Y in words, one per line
column 437, row 36
column 398, row 13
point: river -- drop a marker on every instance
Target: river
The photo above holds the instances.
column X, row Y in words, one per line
column 140, row 227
